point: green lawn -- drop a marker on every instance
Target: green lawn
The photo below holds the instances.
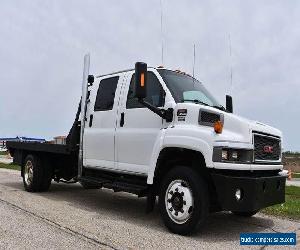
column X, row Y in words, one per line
column 297, row 175
column 291, row 207
column 3, row 153
column 10, row 166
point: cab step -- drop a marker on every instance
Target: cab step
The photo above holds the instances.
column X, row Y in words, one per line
column 117, row 182
column 127, row 187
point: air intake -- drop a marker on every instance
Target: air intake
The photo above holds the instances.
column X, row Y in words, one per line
column 208, row 118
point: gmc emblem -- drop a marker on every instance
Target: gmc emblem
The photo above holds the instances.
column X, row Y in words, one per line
column 268, row 149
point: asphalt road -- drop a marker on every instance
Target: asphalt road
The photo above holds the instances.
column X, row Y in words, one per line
column 70, row 217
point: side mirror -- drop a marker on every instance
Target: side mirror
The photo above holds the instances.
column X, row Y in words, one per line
column 90, row 80
column 229, row 107
column 140, row 80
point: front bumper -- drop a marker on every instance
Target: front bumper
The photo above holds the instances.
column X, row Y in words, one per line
column 245, row 167
column 257, row 192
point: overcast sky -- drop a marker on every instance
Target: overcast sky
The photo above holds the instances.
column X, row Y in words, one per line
column 42, row 45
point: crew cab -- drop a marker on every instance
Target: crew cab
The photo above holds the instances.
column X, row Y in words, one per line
column 156, row 132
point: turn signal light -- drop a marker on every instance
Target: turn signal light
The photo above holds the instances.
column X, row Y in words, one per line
column 142, row 80
column 218, row 126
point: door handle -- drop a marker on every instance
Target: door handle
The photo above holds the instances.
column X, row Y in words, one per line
column 122, row 119
column 91, row 120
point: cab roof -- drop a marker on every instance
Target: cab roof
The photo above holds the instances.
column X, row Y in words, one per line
column 157, row 68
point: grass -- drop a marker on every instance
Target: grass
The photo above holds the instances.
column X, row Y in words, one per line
column 297, row 175
column 10, row 166
column 3, row 153
column 291, row 207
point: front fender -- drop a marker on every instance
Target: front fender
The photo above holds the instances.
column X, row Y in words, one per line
column 178, row 141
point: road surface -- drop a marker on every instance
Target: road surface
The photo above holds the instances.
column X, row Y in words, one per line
column 293, row 182
column 70, row 217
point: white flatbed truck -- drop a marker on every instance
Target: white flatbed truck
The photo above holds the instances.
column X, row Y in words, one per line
column 159, row 133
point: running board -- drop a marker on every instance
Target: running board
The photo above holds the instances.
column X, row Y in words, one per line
column 93, row 180
column 117, row 185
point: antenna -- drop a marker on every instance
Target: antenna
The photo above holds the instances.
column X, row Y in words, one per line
column 162, row 34
column 194, row 61
column 230, row 56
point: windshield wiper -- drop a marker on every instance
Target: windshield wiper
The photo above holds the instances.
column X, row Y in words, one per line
column 195, row 101
column 198, row 101
column 219, row 107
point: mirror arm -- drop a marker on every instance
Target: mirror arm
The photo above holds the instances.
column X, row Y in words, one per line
column 165, row 114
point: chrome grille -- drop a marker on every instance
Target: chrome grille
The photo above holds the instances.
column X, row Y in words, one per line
column 266, row 148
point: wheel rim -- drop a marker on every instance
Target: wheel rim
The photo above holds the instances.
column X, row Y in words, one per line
column 179, row 201
column 28, row 173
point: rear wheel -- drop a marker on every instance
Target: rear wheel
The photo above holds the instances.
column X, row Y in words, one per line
column 183, row 200
column 36, row 176
column 244, row 214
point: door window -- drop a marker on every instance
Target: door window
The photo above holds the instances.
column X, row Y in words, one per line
column 155, row 93
column 106, row 94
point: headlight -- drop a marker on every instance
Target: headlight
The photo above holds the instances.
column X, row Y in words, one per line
column 224, row 155
column 233, row 155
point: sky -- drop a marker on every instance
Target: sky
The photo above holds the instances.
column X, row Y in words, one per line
column 42, row 44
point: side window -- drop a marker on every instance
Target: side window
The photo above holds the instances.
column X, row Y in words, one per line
column 155, row 93
column 106, row 94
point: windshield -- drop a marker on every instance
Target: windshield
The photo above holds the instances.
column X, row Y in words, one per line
column 185, row 88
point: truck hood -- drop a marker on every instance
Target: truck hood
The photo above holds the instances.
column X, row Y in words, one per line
column 259, row 126
column 241, row 128
column 236, row 128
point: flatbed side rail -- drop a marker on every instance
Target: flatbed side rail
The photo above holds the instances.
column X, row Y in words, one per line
column 38, row 147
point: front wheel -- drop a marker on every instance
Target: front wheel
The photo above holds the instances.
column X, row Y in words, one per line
column 183, row 200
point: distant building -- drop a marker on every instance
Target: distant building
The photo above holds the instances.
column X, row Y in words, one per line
column 60, row 139
column 19, row 138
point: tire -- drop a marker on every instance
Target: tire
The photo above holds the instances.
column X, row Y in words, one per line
column 88, row 185
column 36, row 175
column 244, row 214
column 183, row 215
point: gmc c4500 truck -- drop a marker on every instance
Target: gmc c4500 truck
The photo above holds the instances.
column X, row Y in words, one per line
column 156, row 132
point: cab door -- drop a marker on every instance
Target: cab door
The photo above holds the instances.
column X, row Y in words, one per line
column 138, row 127
column 100, row 130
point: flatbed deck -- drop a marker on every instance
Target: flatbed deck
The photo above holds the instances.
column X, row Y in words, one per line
column 39, row 147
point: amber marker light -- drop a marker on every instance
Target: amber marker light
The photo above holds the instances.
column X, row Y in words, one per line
column 218, row 126
column 142, row 80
